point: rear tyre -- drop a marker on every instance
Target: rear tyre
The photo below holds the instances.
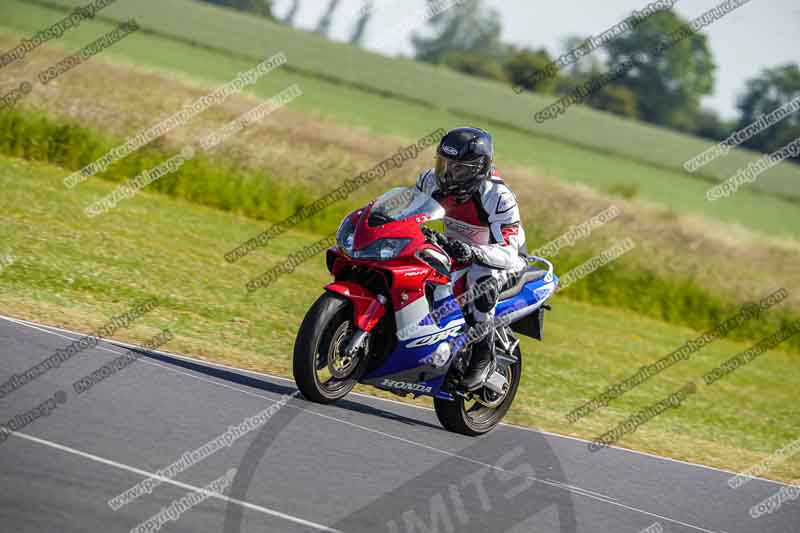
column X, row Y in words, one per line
column 484, row 410
column 322, row 370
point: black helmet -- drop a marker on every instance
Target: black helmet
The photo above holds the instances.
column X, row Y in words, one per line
column 463, row 161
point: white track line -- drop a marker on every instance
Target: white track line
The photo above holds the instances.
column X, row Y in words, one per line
column 569, row 488
column 36, row 325
column 186, row 486
column 573, row 487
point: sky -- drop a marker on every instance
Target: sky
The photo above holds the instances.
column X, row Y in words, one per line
column 758, row 35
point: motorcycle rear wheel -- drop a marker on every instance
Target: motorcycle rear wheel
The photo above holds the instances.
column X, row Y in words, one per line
column 322, row 371
column 473, row 418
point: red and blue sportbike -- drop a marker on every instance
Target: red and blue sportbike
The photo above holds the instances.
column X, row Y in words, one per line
column 391, row 320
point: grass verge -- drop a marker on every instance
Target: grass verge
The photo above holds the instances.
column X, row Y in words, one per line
column 201, row 180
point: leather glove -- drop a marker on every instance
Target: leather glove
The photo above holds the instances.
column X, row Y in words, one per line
column 460, row 252
column 433, row 236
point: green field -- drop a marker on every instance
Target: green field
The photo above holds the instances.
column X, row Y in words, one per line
column 75, row 272
column 383, row 115
column 489, row 102
column 633, row 283
column 679, row 293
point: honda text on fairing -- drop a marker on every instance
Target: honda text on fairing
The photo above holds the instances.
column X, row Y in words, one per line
column 391, row 320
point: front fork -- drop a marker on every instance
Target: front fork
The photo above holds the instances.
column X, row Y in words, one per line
column 368, row 310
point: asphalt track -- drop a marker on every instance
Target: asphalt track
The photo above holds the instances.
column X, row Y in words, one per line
column 362, row 465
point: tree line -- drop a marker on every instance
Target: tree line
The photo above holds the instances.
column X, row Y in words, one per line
column 665, row 90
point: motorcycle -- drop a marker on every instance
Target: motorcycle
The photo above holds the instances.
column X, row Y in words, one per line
column 391, row 318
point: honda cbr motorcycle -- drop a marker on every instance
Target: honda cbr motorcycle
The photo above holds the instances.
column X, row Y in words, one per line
column 391, row 318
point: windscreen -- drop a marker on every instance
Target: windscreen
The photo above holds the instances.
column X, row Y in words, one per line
column 402, row 203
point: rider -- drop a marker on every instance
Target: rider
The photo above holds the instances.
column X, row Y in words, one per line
column 483, row 230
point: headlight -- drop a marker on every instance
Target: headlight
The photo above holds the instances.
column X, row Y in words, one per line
column 383, row 249
column 345, row 234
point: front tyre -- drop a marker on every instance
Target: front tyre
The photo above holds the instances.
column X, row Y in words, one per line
column 323, row 371
column 484, row 409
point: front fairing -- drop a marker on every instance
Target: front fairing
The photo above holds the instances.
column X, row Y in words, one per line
column 397, row 214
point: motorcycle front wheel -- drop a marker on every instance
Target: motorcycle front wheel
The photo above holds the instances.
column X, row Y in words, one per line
column 323, row 371
column 484, row 409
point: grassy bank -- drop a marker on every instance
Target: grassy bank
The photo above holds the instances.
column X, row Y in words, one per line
column 75, row 272
column 257, row 195
column 626, row 285
column 300, row 151
column 423, row 87
column 382, row 115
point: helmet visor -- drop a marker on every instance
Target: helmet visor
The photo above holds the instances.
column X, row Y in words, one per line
column 457, row 174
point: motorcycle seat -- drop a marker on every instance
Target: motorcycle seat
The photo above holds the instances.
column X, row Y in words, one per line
column 516, row 282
